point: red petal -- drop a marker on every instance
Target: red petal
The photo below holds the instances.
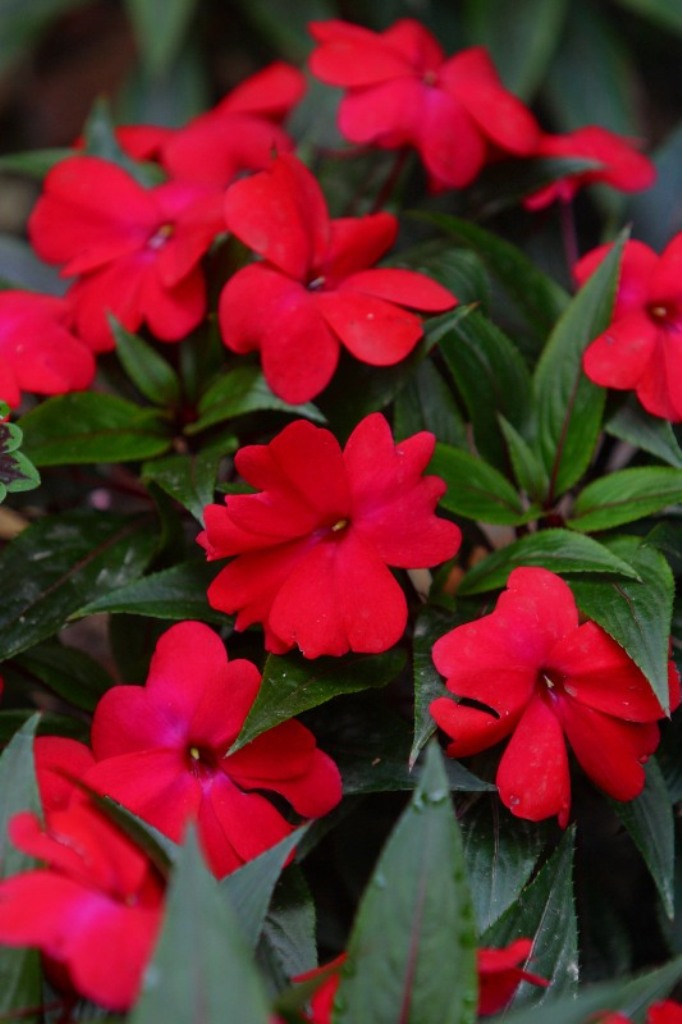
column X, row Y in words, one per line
column 449, row 141
column 637, row 267
column 349, row 55
column 387, row 114
column 404, row 287
column 271, row 92
column 58, row 762
column 620, row 356
column 356, row 243
column 660, row 387
column 470, row 729
column 416, row 43
column 374, row 331
column 533, row 778
column 666, row 277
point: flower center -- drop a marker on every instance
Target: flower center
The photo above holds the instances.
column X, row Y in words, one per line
column 317, row 284
column 430, row 77
column 340, row 525
column 201, row 761
column 160, row 236
column 666, row 314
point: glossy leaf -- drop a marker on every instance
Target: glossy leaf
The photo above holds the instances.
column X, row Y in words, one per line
column 176, row 593
column 560, row 551
column 624, row 496
column 656, row 436
column 241, row 391
column 59, row 564
column 151, row 374
column 289, row 926
column 67, row 671
column 20, row 976
column 636, row 615
column 529, row 471
column 201, row 964
column 545, row 912
column 87, row 427
column 476, row 489
column 292, row 684
column 431, row 624
column 569, row 406
column 190, row 479
column 416, row 905
column 16, row 472
column 650, row 822
column 427, row 403
column 492, row 378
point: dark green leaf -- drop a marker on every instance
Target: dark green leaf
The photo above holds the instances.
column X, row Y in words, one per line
column 660, row 12
column 289, row 927
column 201, row 964
column 649, row 820
column 16, row 472
column 636, row 615
column 500, row 852
column 68, row 672
column 427, row 403
column 190, row 479
column 21, row 268
column 655, row 213
column 161, row 850
column 49, row 725
column 151, row 374
column 624, row 496
column 558, row 550
column 160, row 27
column 492, row 378
column 250, row 888
column 241, row 391
column 529, row 471
column 458, row 270
column 416, row 905
column 431, row 624
column 89, row 427
column 292, row 684
column 20, row 975
column 59, row 564
column 545, row 913
column 176, row 593
column 569, row 406
column 477, row 490
column 656, row 436
column 100, row 140
column 34, row 163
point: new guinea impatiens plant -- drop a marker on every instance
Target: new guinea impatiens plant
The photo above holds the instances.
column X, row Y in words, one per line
column 356, row 377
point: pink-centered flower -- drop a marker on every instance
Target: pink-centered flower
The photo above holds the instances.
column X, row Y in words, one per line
column 134, row 252
column 403, row 91
column 162, row 751
column 618, row 164
column 640, row 349
column 539, row 678
column 38, row 351
column 314, row 545
column 316, row 287
column 241, row 133
column 93, row 909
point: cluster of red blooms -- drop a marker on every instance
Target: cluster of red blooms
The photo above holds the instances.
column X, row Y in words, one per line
column 313, row 548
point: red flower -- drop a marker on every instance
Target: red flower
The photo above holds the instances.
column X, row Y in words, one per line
column 135, row 251
column 402, row 91
column 540, row 675
column 38, row 352
column 162, row 751
column 667, row 1012
column 94, row 909
column 314, row 291
column 240, row 134
column 499, row 975
column 620, row 164
column 315, row 543
column 640, row 348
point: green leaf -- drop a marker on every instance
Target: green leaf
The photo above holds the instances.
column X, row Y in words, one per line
column 458, row 270
column 559, row 551
column 99, row 136
column 492, row 378
column 529, row 471
column 60, row 563
column 21, row 268
column 249, row 889
column 241, row 391
column 431, row 624
column 569, row 406
column 521, row 46
column 477, row 490
column 70, row 673
column 16, row 472
column 427, row 403
column 416, row 905
column 636, row 615
column 545, row 912
column 292, row 684
column 151, row 374
column 92, row 427
column 501, row 852
column 650, row 822
column 176, row 593
column 160, row 28
column 289, row 927
column 201, row 964
column 162, row 851
column 20, row 974
column 659, row 12
column 34, row 163
column 537, row 297
column 624, row 496
column 190, row 479
column 633, row 424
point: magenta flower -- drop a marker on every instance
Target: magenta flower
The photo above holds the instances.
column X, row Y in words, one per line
column 38, row 351
column 162, row 751
column 134, row 252
column 542, row 679
column 403, row 91
column 314, row 290
column 314, row 545
column 640, row 349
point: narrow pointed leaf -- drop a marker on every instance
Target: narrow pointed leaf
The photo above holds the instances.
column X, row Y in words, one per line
column 476, row 489
column 624, row 496
column 241, row 391
column 656, row 436
column 190, row 479
column 289, row 926
column 529, row 471
column 151, row 374
column 176, row 593
column 427, row 403
column 416, row 905
column 431, row 624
